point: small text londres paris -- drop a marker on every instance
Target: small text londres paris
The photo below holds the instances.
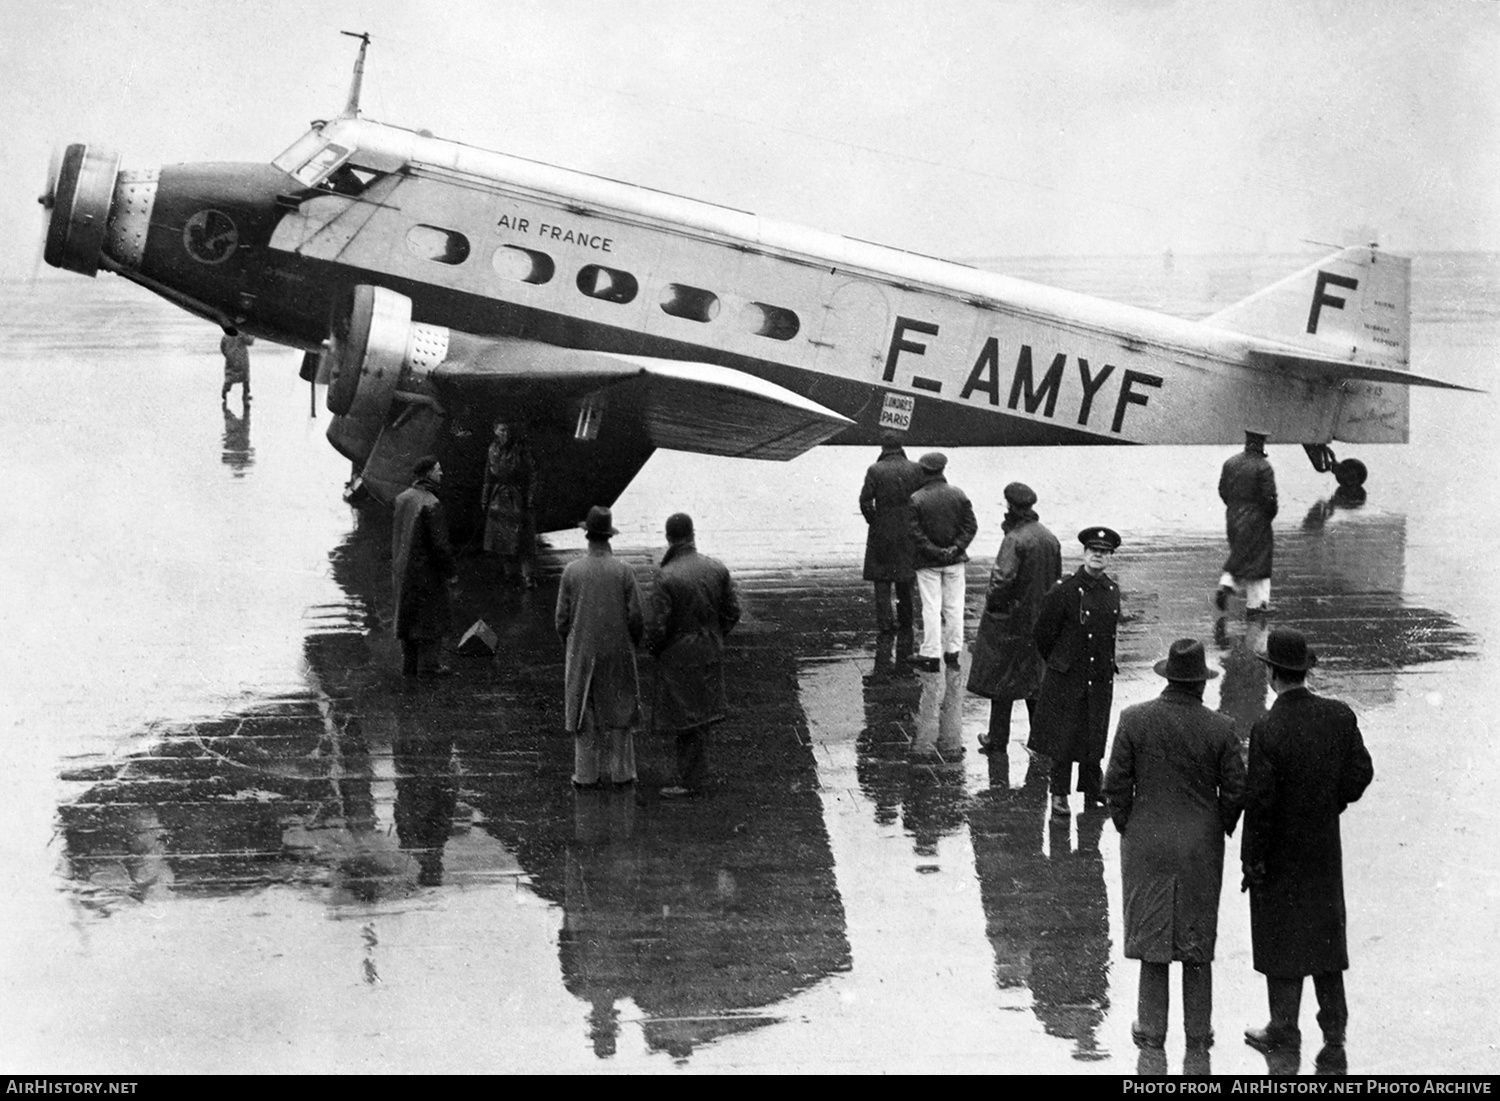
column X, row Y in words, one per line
column 1373, row 1086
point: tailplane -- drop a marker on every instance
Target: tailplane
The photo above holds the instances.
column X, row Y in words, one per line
column 1353, row 307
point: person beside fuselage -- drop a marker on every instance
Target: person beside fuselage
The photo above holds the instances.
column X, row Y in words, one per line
column 1075, row 634
column 885, row 501
column 1174, row 788
column 942, row 526
column 1005, row 665
column 599, row 618
column 693, row 606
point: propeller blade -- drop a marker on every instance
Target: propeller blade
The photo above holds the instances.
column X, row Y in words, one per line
column 48, row 200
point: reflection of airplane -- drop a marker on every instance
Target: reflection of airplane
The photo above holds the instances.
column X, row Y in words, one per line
column 446, row 287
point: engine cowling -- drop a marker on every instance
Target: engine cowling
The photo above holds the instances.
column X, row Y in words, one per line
column 80, row 198
column 376, row 350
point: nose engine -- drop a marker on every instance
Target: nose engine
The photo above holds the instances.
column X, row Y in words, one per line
column 79, row 199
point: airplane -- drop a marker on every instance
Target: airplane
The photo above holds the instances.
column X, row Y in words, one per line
column 437, row 288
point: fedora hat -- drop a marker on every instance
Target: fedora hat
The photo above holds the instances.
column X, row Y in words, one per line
column 1185, row 661
column 600, row 522
column 1287, row 648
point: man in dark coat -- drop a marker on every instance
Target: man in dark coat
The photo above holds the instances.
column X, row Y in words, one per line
column 942, row 527
column 693, row 607
column 421, row 569
column 599, row 617
column 1307, row 763
column 885, row 500
column 1005, row 666
column 508, row 500
column 1247, row 486
column 1175, row 787
column 234, row 347
column 1075, row 633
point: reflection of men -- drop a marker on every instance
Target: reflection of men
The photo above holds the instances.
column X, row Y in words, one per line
column 232, row 346
column 508, row 499
column 942, row 526
column 693, row 607
column 1075, row 632
column 1307, row 763
column 1247, row 486
column 599, row 617
column 1006, row 666
column 421, row 568
column 885, row 500
column 1175, row 787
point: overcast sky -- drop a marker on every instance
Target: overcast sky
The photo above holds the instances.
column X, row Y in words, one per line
column 964, row 129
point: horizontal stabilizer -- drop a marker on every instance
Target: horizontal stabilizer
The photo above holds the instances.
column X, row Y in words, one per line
column 1338, row 369
column 685, row 406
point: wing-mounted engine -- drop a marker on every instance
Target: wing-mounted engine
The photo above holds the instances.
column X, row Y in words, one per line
column 592, row 417
column 376, row 352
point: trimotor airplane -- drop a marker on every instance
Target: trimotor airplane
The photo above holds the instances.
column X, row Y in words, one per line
column 438, row 288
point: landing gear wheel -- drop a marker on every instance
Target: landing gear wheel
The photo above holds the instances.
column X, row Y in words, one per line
column 1350, row 473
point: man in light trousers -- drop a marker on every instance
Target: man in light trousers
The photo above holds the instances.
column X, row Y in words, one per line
column 943, row 526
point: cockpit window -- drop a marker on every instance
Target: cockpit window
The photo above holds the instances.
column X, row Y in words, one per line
column 312, row 158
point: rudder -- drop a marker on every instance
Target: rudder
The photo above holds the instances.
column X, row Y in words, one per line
column 1353, row 306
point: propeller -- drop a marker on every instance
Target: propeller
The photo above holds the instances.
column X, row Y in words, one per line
column 48, row 200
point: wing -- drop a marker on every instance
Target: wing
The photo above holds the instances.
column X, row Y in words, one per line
column 682, row 405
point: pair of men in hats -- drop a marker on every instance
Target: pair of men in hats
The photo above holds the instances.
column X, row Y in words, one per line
column 599, row 616
column 1174, row 789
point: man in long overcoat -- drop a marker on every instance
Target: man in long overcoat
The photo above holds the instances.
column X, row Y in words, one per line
column 421, row 568
column 508, row 499
column 1005, row 665
column 599, row 618
column 1075, row 634
column 1175, row 787
column 1308, row 762
column 1247, row 486
column 693, row 606
column 885, row 500
column 942, row 527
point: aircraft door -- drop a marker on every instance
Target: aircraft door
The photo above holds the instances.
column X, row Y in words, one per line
column 855, row 326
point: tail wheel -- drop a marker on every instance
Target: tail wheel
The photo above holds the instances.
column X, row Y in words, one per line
column 1350, row 473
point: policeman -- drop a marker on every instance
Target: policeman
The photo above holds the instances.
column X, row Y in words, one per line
column 1075, row 634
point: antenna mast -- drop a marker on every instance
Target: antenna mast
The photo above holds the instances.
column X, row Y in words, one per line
column 351, row 108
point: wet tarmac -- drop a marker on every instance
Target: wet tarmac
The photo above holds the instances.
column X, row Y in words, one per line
column 234, row 839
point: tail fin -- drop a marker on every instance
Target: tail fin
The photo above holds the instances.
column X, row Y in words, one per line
column 1353, row 307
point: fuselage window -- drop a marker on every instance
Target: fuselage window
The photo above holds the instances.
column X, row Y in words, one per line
column 771, row 321
column 689, row 302
column 440, row 245
column 524, row 265
column 609, row 284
